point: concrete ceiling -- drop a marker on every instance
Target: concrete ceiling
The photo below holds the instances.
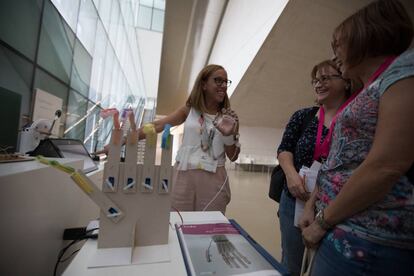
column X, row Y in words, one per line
column 189, row 33
column 277, row 82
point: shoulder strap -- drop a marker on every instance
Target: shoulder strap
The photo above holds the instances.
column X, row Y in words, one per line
column 308, row 118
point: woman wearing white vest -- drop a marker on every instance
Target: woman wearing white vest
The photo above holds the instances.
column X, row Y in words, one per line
column 200, row 181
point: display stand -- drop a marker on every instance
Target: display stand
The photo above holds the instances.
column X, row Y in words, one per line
column 134, row 201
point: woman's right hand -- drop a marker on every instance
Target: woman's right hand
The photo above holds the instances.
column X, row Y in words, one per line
column 296, row 186
column 308, row 216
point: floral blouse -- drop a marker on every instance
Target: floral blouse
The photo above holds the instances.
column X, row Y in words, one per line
column 391, row 220
column 301, row 145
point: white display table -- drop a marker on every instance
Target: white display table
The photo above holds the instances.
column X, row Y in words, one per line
column 38, row 202
column 175, row 266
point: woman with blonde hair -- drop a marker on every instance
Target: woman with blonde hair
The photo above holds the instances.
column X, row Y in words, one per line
column 200, row 181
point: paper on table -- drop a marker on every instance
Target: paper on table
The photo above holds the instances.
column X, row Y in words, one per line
column 310, row 182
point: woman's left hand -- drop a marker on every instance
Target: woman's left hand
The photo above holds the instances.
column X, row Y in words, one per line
column 228, row 130
column 231, row 113
column 312, row 235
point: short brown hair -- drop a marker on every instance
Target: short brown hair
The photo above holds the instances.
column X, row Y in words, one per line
column 324, row 64
column 197, row 98
column 330, row 63
column 382, row 28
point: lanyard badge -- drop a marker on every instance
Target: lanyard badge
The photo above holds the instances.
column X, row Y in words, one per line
column 207, row 134
column 322, row 147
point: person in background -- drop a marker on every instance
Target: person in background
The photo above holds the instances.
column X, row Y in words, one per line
column 365, row 209
column 298, row 149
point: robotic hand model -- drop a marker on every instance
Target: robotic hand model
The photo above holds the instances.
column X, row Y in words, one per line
column 134, row 200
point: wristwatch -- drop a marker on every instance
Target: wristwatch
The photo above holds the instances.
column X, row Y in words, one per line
column 320, row 220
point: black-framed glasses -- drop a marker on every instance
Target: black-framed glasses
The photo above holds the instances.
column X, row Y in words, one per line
column 219, row 82
column 325, row 78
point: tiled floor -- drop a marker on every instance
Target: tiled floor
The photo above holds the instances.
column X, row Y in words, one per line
column 254, row 210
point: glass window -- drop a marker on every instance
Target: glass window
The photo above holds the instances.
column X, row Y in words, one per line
column 49, row 84
column 114, row 25
column 87, row 24
column 81, row 69
column 104, row 133
column 19, row 24
column 107, row 78
column 56, row 44
column 97, row 131
column 93, row 122
column 16, row 75
column 159, row 4
column 144, row 17
column 158, row 20
column 148, row 3
column 127, row 10
column 105, row 13
column 98, row 62
column 69, row 11
column 76, row 116
column 117, row 95
column 96, row 2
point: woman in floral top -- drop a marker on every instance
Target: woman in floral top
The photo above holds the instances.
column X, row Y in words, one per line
column 365, row 201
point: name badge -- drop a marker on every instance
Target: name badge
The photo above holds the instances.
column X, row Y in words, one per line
column 208, row 164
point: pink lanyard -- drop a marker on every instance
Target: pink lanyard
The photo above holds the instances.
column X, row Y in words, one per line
column 322, row 147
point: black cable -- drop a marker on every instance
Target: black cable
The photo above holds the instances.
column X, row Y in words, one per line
column 70, row 256
column 63, row 250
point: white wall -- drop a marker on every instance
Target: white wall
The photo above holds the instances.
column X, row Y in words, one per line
column 150, row 53
column 244, row 28
column 260, row 144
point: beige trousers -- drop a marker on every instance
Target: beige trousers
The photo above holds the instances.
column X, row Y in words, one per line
column 193, row 190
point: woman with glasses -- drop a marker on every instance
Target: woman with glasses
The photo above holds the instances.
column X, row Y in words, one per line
column 301, row 146
column 200, row 180
column 365, row 201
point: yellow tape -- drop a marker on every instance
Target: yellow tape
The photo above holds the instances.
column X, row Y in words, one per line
column 150, row 134
column 55, row 164
column 61, row 167
column 42, row 160
column 82, row 183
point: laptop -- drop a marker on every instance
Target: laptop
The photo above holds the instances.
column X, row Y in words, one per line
column 66, row 148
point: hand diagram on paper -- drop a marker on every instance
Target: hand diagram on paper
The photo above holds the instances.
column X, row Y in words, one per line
column 231, row 256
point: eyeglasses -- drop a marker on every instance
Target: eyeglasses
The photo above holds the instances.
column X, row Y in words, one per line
column 220, row 81
column 325, row 79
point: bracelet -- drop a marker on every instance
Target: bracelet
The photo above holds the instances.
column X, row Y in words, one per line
column 320, row 220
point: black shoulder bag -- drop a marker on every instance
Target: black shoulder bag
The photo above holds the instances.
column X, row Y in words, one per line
column 278, row 178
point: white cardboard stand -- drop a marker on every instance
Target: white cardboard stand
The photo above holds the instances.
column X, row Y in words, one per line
column 143, row 201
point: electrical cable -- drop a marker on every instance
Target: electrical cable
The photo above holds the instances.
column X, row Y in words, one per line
column 63, row 250
column 182, row 221
column 216, row 195
column 221, row 188
column 70, row 256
